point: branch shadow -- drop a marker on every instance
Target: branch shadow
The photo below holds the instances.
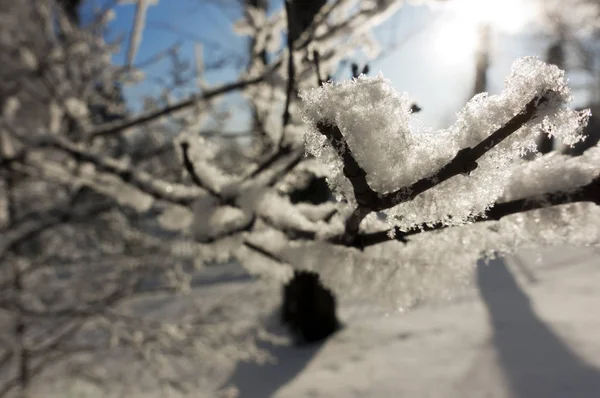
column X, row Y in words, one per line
column 534, row 360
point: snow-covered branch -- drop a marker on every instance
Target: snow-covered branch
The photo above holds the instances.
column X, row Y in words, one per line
column 352, row 135
column 118, row 127
column 586, row 193
column 464, row 162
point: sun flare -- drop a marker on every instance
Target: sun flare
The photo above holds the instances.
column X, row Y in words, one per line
column 508, row 16
column 456, row 35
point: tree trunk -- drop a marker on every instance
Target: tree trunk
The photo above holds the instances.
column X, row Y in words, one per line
column 482, row 60
column 555, row 55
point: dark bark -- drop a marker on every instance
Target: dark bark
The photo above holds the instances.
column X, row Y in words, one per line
column 303, row 13
column 71, row 8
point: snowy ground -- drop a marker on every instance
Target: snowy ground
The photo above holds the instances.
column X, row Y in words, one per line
column 528, row 328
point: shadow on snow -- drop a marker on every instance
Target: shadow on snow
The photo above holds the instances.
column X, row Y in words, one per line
column 535, row 361
column 263, row 380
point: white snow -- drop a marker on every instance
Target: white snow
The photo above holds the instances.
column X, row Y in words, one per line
column 377, row 125
column 524, row 328
column 553, row 172
column 211, row 220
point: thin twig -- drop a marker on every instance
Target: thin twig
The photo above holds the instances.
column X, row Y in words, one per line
column 264, row 252
column 243, row 227
column 281, row 152
column 189, row 167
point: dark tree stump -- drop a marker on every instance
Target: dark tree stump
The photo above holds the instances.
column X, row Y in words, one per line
column 309, row 308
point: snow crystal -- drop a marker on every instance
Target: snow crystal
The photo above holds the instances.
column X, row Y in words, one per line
column 371, row 116
column 552, row 172
column 377, row 125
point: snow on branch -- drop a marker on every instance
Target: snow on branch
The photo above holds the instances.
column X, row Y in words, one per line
column 189, row 166
column 31, row 227
column 159, row 189
column 361, row 130
column 109, row 129
column 587, row 193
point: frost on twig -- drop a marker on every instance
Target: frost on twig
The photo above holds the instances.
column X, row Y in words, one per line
column 361, row 130
column 587, row 193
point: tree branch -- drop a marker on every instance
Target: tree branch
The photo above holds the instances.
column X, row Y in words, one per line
column 365, row 196
column 317, row 62
column 246, row 226
column 587, row 193
column 465, row 161
column 189, row 166
column 264, row 252
column 115, row 128
column 268, row 161
column 159, row 189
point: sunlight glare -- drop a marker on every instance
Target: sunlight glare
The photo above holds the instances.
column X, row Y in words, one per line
column 507, row 16
column 456, row 36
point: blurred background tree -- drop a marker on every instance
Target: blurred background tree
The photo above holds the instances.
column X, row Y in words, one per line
column 118, row 135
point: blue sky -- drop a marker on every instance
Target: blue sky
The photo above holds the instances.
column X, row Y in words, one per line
column 435, row 65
